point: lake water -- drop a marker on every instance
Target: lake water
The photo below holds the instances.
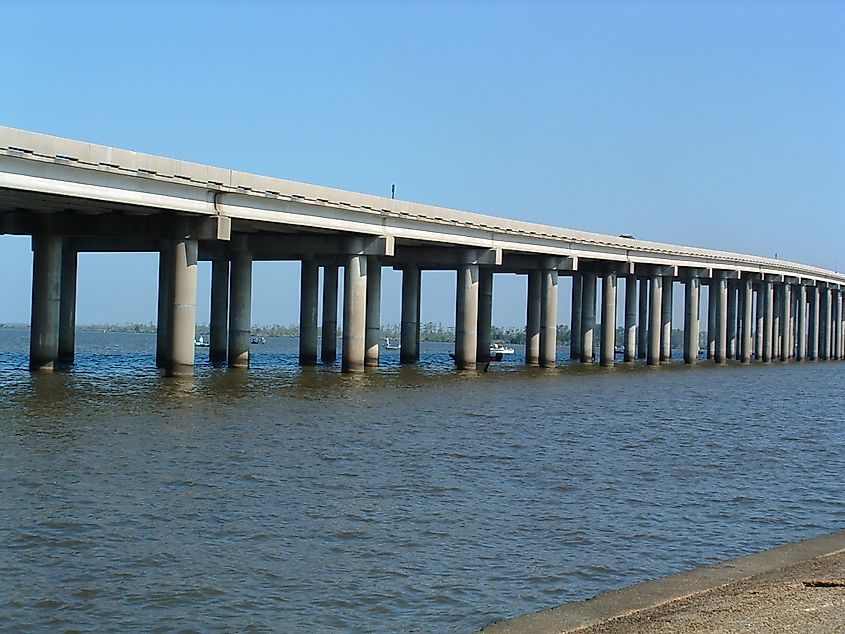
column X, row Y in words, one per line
column 405, row 499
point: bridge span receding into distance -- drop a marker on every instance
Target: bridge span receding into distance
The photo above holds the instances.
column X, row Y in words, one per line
column 73, row 197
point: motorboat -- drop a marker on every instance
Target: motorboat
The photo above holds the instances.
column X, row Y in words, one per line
column 256, row 339
column 499, row 350
column 201, row 342
column 391, row 346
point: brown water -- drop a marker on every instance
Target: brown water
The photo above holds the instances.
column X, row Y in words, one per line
column 406, row 499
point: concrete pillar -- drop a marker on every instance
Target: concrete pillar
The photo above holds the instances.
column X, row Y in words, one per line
column 354, row 313
column 219, row 322
column 576, row 330
column 532, row 319
column 373, row 327
column 785, row 321
column 813, row 323
column 837, row 325
column 608, row 319
column 721, row 302
column 309, row 288
column 642, row 319
column 630, row 318
column 548, row 318
column 746, row 343
column 692, row 298
column 165, row 278
column 801, row 323
column 712, row 302
column 588, row 317
column 46, row 296
column 183, row 311
column 732, row 347
column 759, row 322
column 240, row 309
column 655, row 319
column 410, row 333
column 666, row 307
column 485, row 314
column 824, row 341
column 768, row 322
column 67, row 305
column 466, row 317
column 328, row 334
column 777, row 290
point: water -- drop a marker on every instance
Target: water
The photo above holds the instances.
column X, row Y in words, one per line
column 291, row 500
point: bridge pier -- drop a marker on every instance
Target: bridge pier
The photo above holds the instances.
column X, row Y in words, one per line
column 409, row 351
column 240, row 309
column 732, row 347
column 813, row 323
column 655, row 319
column 309, row 286
column 642, row 319
column 588, row 317
column 746, row 343
column 824, row 343
column 712, row 302
column 608, row 319
column 776, row 326
column 67, row 305
column 485, row 314
column 165, row 279
column 721, row 302
column 46, row 295
column 630, row 319
column 373, row 318
column 785, row 321
column 466, row 317
column 328, row 335
column 768, row 310
column 532, row 319
column 576, row 331
column 692, row 298
column 666, row 308
column 837, row 324
column 183, row 309
column 354, row 313
column 219, row 320
column 801, row 323
column 548, row 318
column 759, row 321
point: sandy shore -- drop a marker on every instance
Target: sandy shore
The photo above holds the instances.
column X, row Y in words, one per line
column 797, row 588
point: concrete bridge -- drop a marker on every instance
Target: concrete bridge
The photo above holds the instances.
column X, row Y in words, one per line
column 74, row 197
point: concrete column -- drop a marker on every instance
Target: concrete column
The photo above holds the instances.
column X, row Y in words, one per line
column 219, row 323
column 692, row 298
column 801, row 323
column 373, row 327
column 747, row 345
column 642, row 318
column 548, row 318
column 588, row 317
column 67, row 305
column 608, row 319
column 240, row 309
column 410, row 335
column 328, row 334
column 165, row 278
column 721, row 302
column 485, row 314
column 837, row 325
column 354, row 313
column 466, row 317
column 785, row 321
column 183, row 312
column 768, row 321
column 759, row 322
column 655, row 319
column 824, row 341
column 576, row 330
column 776, row 332
column 732, row 348
column 532, row 319
column 813, row 323
column 309, row 288
column 712, row 302
column 630, row 318
column 666, row 307
column 46, row 296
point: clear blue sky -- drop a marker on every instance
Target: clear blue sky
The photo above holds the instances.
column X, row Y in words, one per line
column 719, row 124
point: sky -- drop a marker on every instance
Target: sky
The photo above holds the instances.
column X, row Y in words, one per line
column 716, row 124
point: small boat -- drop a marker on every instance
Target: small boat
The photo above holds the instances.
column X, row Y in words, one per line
column 258, row 339
column 200, row 342
column 391, row 346
column 498, row 351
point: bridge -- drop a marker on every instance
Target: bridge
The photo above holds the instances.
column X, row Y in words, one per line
column 74, row 197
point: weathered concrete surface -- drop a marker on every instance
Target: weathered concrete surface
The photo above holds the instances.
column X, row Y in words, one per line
column 799, row 587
